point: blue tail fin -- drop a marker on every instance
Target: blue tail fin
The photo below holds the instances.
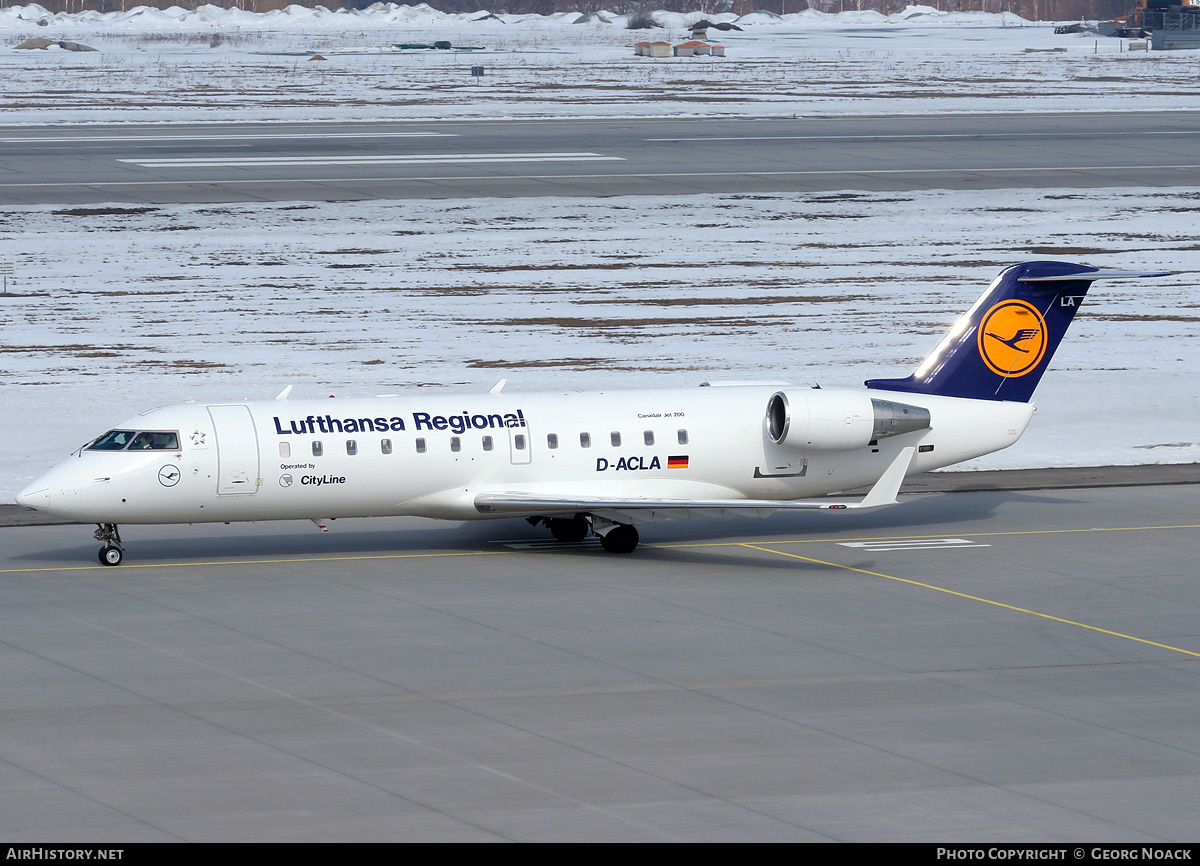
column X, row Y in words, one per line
column 999, row 349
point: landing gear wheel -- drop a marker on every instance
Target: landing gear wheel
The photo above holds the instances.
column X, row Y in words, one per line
column 569, row 529
column 111, row 555
column 622, row 538
column 112, row 552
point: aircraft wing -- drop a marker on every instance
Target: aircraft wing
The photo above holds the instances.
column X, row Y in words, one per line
column 650, row 510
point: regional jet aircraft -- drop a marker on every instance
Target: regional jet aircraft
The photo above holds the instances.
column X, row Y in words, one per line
column 581, row 463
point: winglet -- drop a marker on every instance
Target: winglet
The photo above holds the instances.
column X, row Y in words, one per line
column 888, row 486
column 498, row 387
column 283, row 395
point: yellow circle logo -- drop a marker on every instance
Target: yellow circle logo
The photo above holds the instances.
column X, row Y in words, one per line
column 1012, row 338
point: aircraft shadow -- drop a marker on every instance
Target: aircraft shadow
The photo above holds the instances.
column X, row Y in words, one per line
column 926, row 514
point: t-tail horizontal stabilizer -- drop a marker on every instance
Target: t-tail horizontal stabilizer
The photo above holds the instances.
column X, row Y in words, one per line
column 1001, row 347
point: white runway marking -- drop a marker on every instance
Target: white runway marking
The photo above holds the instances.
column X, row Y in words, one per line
column 953, row 136
column 264, row 136
column 548, row 543
column 915, row 544
column 392, row 159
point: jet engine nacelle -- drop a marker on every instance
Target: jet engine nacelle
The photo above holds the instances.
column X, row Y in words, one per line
column 834, row 420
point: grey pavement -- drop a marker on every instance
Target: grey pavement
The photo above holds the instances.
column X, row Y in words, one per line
column 1017, row 663
column 997, row 666
column 617, row 156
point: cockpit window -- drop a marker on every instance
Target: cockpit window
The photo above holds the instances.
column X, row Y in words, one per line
column 154, row 440
column 149, row 440
column 113, row 440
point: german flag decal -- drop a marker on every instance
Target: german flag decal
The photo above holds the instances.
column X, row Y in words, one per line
column 677, row 462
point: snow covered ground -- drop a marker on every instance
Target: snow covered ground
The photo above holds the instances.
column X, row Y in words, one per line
column 122, row 308
column 117, row 309
column 210, row 63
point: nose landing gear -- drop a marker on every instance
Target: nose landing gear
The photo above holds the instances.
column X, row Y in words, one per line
column 113, row 551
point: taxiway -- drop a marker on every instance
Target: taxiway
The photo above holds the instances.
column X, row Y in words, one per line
column 1001, row 665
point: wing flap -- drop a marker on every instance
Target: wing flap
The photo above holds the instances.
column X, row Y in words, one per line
column 649, row 510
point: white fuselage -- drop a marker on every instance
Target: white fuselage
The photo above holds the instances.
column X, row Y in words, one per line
column 432, row 455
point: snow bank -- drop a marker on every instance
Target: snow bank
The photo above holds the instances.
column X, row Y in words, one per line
column 144, row 18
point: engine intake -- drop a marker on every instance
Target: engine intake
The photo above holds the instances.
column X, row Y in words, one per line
column 835, row 420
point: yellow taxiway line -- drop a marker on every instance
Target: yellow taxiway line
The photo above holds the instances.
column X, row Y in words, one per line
column 287, row 561
column 760, row 546
column 980, row 598
column 664, row 546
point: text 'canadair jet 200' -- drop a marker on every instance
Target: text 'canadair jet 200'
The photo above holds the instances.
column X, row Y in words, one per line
column 581, row 463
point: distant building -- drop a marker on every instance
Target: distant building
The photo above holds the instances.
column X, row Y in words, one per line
column 688, row 49
column 684, row 49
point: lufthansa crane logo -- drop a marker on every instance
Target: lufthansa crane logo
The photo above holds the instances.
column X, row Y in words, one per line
column 168, row 476
column 1012, row 338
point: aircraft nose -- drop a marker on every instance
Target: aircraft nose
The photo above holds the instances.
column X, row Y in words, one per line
column 36, row 495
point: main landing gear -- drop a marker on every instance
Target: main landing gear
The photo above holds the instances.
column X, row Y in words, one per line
column 568, row 528
column 112, row 552
column 622, row 538
column 614, row 537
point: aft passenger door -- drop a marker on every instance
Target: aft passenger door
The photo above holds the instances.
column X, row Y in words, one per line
column 237, row 449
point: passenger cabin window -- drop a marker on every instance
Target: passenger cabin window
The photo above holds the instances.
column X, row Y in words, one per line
column 455, row 444
column 683, row 437
column 318, row 448
column 551, row 440
column 351, row 447
column 648, row 437
column 420, row 446
column 385, row 445
column 285, row 449
column 616, row 439
column 488, row 443
column 585, row 440
column 519, row 442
